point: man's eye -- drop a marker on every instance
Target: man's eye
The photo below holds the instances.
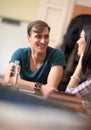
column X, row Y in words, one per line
column 38, row 36
column 46, row 36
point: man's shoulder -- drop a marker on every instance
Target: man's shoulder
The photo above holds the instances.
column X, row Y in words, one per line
column 55, row 51
column 23, row 50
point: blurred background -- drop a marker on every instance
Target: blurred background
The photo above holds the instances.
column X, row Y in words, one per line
column 16, row 14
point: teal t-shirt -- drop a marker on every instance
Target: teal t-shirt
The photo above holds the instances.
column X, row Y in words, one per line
column 53, row 57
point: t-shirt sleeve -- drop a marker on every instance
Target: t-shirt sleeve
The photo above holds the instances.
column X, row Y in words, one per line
column 16, row 56
column 58, row 58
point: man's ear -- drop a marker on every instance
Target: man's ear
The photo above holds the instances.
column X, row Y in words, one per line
column 28, row 37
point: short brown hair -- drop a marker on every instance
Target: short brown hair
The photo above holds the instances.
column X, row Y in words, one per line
column 39, row 25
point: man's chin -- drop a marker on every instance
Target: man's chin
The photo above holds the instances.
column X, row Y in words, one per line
column 41, row 51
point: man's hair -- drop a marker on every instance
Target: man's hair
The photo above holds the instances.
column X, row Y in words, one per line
column 39, row 25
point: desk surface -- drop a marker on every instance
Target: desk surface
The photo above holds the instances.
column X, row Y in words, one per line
column 22, row 111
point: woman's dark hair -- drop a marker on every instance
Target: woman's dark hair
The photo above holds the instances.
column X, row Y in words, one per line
column 70, row 47
column 86, row 61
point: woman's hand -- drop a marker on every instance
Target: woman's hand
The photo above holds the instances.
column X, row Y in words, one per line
column 74, row 81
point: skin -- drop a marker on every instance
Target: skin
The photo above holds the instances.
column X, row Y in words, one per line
column 81, row 43
column 39, row 43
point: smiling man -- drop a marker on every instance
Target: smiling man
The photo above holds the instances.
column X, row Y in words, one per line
column 41, row 66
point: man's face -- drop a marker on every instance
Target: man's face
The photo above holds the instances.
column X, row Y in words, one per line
column 39, row 41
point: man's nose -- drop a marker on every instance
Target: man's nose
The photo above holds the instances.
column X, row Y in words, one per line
column 43, row 40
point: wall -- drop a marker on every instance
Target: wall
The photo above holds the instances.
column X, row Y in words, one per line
column 19, row 9
column 13, row 36
column 57, row 14
column 84, row 2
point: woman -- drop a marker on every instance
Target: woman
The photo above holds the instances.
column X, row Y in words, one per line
column 41, row 66
column 84, row 66
column 70, row 48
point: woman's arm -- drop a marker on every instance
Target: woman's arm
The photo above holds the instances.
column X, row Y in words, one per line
column 75, row 78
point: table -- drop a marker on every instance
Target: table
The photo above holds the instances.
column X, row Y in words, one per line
column 24, row 111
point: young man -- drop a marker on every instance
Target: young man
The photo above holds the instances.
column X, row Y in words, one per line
column 41, row 66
